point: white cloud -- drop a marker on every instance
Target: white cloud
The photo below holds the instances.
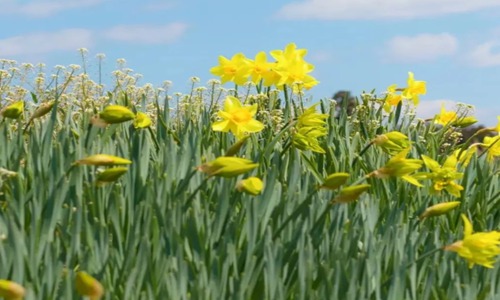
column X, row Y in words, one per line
column 45, row 42
column 146, row 34
column 381, row 9
column 485, row 55
column 43, row 8
column 422, row 47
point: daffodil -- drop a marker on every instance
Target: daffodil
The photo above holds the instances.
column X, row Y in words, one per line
column 292, row 69
column 237, row 118
column 251, row 185
column 414, row 89
column 259, row 67
column 310, row 126
column 88, row 286
column 227, row 166
column 237, row 69
column 13, row 111
column 142, row 120
column 439, row 209
column 392, row 142
column 492, row 145
column 392, row 98
column 477, row 248
column 445, row 117
column 399, row 166
column 443, row 177
column 464, row 156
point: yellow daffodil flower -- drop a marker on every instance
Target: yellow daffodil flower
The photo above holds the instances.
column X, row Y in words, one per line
column 251, row 185
column 13, row 111
column 443, row 177
column 142, row 120
column 464, row 157
column 237, row 118
column 392, row 142
column 110, row 175
column 477, row 248
column 414, row 89
column 310, row 126
column 259, row 67
column 492, row 145
column 392, row 98
column 237, row 69
column 399, row 166
column 445, row 117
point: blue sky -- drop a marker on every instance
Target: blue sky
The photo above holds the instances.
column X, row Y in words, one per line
column 356, row 45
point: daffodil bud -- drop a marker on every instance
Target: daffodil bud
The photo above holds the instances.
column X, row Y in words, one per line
column 142, row 120
column 439, row 209
column 111, row 174
column 392, row 142
column 351, row 193
column 237, row 146
column 43, row 109
column 251, row 185
column 102, row 160
column 113, row 114
column 10, row 290
column 465, row 121
column 227, row 166
column 334, row 181
column 13, row 111
column 88, row 286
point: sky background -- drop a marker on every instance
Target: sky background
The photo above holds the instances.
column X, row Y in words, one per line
column 355, row 45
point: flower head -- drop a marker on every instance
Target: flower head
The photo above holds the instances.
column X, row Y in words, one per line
column 251, row 185
column 237, row 69
column 492, row 145
column 237, row 118
column 392, row 142
column 445, row 117
column 477, row 248
column 399, row 166
column 111, row 174
column 392, row 98
column 142, row 120
column 13, row 111
column 414, row 89
column 310, row 126
column 443, row 177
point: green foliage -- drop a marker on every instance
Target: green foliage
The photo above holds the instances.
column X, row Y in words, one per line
column 164, row 230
